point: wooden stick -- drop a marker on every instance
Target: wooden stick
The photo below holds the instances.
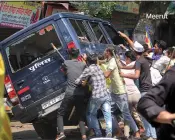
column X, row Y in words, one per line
column 116, row 60
column 54, row 47
column 70, row 116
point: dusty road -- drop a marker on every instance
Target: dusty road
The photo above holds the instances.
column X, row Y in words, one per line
column 27, row 132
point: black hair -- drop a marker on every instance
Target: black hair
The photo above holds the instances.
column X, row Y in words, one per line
column 146, row 48
column 161, row 44
column 74, row 52
column 101, row 56
column 130, row 55
column 170, row 52
column 110, row 49
column 92, row 59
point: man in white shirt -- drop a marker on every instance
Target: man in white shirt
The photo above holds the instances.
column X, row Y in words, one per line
column 132, row 91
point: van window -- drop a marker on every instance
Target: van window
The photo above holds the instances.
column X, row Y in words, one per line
column 31, row 48
column 116, row 39
column 80, row 30
column 99, row 34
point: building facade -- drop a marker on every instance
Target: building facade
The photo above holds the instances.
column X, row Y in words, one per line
column 15, row 16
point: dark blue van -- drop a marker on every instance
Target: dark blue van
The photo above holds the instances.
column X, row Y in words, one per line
column 34, row 82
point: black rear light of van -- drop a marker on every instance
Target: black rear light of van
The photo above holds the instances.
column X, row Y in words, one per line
column 11, row 91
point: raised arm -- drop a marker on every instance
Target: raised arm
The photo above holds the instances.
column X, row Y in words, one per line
column 130, row 42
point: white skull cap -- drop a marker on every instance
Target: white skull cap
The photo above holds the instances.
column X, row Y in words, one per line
column 138, row 47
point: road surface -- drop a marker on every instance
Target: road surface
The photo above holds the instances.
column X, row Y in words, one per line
column 27, row 132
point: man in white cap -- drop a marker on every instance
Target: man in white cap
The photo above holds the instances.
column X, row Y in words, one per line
column 142, row 72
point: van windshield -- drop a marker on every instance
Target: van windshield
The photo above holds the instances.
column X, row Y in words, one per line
column 32, row 48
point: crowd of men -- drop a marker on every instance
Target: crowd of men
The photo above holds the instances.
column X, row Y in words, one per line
column 138, row 84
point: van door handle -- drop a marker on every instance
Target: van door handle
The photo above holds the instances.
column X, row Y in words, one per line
column 20, row 82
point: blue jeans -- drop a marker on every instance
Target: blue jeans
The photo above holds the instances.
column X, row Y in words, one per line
column 121, row 101
column 150, row 131
column 94, row 105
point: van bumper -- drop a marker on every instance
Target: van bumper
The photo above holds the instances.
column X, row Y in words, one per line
column 35, row 110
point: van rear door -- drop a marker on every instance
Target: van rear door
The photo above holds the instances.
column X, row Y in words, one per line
column 34, row 66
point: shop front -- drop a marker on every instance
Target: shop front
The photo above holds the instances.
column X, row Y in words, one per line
column 15, row 16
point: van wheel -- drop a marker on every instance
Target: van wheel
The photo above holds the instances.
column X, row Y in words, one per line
column 45, row 130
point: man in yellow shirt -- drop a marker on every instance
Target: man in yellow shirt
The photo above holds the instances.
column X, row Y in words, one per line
column 119, row 95
column 5, row 132
column 103, row 66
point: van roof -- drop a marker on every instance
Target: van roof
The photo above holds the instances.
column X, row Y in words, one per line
column 52, row 17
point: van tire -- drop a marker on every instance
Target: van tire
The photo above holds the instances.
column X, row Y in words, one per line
column 45, row 130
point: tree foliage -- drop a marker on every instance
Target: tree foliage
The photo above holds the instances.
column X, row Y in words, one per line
column 104, row 9
column 96, row 8
column 171, row 8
